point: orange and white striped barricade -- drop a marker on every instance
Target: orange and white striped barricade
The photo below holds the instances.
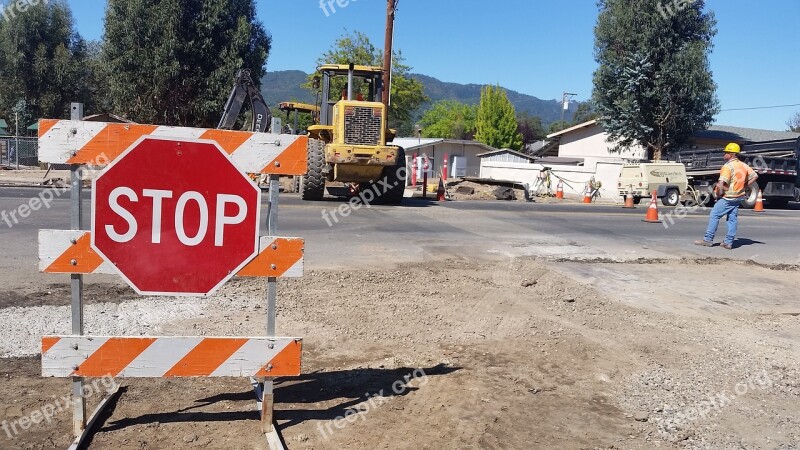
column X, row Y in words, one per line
column 69, row 251
column 168, row 357
column 73, row 252
column 100, row 143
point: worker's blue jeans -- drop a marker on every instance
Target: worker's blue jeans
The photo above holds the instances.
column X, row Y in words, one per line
column 724, row 207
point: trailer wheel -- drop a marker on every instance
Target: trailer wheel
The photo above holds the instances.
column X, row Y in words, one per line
column 671, row 198
column 637, row 200
column 314, row 182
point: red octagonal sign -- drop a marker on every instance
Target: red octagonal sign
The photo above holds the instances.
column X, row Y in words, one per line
column 175, row 217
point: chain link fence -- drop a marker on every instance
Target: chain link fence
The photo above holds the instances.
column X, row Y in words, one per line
column 16, row 152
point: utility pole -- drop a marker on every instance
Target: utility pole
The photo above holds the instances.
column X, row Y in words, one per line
column 391, row 8
column 16, row 137
column 565, row 103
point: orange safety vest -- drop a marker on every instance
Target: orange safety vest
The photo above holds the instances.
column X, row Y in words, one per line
column 737, row 175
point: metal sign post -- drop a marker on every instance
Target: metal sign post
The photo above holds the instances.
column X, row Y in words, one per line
column 76, row 222
column 268, row 400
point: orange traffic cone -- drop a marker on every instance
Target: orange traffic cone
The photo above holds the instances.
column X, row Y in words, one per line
column 440, row 192
column 560, row 190
column 759, row 202
column 587, row 196
column 652, row 211
column 629, row 201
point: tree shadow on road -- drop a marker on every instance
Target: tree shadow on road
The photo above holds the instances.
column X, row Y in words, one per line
column 348, row 388
column 352, row 387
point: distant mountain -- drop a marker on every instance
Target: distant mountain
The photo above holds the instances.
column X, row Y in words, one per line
column 285, row 86
column 548, row 110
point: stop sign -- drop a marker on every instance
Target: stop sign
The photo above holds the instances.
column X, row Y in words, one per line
column 175, row 217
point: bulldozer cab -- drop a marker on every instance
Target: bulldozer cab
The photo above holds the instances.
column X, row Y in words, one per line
column 293, row 111
column 348, row 82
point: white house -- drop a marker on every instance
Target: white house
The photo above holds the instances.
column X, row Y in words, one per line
column 462, row 156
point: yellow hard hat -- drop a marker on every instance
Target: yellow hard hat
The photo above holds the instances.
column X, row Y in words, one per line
column 733, row 148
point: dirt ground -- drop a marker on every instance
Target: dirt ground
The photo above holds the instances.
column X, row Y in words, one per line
column 461, row 354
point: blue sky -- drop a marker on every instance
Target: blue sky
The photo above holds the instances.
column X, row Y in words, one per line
column 538, row 47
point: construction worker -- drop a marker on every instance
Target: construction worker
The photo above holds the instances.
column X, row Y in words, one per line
column 734, row 179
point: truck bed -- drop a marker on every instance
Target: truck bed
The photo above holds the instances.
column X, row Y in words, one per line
column 771, row 157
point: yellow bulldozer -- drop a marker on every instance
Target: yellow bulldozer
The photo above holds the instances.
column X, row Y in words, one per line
column 348, row 144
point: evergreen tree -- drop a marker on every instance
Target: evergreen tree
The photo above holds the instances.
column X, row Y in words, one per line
column 42, row 62
column 172, row 62
column 584, row 113
column 496, row 123
column 653, row 87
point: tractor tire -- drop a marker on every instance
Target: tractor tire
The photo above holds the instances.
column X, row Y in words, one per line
column 396, row 177
column 314, row 181
column 393, row 176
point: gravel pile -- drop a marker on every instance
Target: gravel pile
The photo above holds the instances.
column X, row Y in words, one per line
column 23, row 327
column 719, row 378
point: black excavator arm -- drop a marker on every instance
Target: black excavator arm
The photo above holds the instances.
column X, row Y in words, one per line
column 244, row 89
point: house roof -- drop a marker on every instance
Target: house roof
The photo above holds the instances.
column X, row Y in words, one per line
column 506, row 150
column 716, row 132
column 415, row 143
column 571, row 129
column 726, row 133
column 544, row 148
column 3, row 123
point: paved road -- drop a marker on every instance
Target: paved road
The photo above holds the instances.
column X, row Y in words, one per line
column 421, row 230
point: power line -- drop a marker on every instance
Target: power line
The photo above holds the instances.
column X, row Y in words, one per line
column 761, row 107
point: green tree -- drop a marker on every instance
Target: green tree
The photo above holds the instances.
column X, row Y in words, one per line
column 653, row 87
column 557, row 126
column 407, row 94
column 449, row 119
column 496, row 123
column 584, row 113
column 41, row 62
column 531, row 128
column 172, row 62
